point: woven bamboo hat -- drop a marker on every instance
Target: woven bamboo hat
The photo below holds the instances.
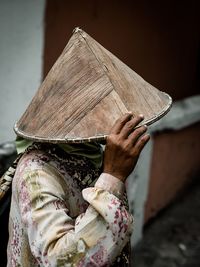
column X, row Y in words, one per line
column 86, row 90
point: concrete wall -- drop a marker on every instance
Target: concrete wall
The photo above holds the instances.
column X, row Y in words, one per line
column 21, row 49
column 169, row 162
column 175, row 162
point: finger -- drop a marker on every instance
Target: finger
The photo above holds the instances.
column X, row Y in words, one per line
column 130, row 125
column 141, row 143
column 136, row 134
column 120, row 123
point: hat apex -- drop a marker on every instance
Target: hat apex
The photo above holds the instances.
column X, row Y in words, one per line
column 86, row 90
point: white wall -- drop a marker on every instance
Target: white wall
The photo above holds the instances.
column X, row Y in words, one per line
column 21, row 49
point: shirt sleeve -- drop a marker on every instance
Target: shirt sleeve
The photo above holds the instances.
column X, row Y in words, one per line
column 95, row 237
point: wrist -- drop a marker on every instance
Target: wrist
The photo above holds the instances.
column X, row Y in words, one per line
column 117, row 175
column 111, row 184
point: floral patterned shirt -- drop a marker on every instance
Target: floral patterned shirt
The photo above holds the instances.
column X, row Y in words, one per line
column 55, row 222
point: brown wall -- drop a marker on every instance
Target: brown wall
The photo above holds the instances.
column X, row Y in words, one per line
column 175, row 162
column 158, row 39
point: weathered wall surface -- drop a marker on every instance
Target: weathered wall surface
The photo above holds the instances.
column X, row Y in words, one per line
column 175, row 162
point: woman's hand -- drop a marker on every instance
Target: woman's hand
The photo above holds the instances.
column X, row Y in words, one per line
column 123, row 146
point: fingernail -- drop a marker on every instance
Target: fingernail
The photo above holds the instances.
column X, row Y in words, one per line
column 141, row 116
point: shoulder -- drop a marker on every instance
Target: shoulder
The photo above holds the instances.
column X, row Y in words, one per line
column 30, row 163
column 35, row 159
column 37, row 171
column 36, row 163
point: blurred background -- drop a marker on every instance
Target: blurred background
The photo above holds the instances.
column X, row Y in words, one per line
column 160, row 40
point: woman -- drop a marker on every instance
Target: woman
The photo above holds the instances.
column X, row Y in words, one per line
column 54, row 221
column 68, row 208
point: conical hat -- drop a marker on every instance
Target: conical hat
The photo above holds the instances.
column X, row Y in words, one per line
column 86, row 90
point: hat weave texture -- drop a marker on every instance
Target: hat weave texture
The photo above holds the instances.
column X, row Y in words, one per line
column 86, row 90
